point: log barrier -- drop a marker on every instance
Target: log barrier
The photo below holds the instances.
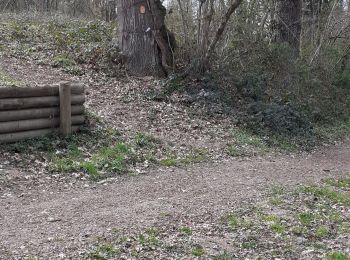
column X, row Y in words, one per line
column 33, row 112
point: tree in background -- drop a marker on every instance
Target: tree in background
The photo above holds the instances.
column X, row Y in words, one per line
column 144, row 40
column 287, row 23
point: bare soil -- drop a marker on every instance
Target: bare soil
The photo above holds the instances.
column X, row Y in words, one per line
column 61, row 222
column 48, row 218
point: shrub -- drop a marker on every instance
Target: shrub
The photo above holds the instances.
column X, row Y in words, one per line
column 277, row 118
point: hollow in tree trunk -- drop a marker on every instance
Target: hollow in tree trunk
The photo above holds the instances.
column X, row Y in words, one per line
column 145, row 42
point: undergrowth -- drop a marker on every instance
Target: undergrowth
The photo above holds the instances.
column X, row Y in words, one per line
column 273, row 96
column 62, row 42
column 98, row 153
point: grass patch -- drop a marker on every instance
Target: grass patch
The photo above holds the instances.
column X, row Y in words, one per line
column 102, row 161
column 242, row 137
column 278, row 228
column 232, row 221
column 198, row 250
column 104, row 251
column 149, row 238
column 145, row 140
column 306, row 218
column 186, row 231
column 298, row 231
column 276, row 201
column 245, row 143
column 7, row 80
column 250, row 243
column 194, row 156
column 255, row 230
column 168, row 162
column 271, row 218
column 67, row 64
column 233, row 150
column 336, row 131
column 283, row 143
column 322, row 232
column 344, row 227
column 98, row 153
column 329, row 194
column 337, row 256
column 342, row 184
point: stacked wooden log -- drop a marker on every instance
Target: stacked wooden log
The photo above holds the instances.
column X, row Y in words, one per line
column 33, row 112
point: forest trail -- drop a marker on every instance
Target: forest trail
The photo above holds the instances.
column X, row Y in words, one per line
column 57, row 224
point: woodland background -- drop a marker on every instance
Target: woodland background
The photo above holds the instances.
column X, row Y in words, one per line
column 208, row 162
column 282, row 65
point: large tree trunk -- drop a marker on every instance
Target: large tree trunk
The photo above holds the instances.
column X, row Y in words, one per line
column 287, row 24
column 143, row 37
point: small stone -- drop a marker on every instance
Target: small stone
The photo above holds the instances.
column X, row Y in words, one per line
column 50, row 219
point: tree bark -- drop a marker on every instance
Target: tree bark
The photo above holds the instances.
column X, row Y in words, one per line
column 145, row 42
column 287, row 24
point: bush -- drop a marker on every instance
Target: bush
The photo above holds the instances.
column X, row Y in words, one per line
column 274, row 92
column 277, row 118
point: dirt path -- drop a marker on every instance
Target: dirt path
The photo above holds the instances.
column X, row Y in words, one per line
column 56, row 225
